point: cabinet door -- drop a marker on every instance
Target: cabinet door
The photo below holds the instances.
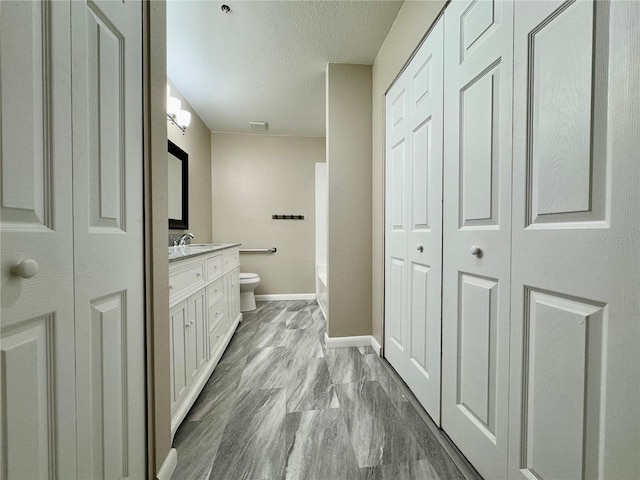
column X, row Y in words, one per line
column 216, row 322
column 236, row 294
column 477, row 230
column 226, row 299
column 575, row 336
column 198, row 328
column 179, row 377
column 191, row 350
column 231, row 296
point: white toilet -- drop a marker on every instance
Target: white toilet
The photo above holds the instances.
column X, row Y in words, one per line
column 248, row 283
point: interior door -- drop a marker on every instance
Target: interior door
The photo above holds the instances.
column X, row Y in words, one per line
column 37, row 405
column 477, row 230
column 424, row 235
column 414, row 223
column 576, row 270
column 396, row 225
column 108, row 237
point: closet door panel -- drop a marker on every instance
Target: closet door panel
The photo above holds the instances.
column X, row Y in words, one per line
column 398, row 149
column 575, row 298
column 424, row 237
column 37, row 360
column 476, row 392
column 478, row 165
column 108, row 237
column 394, row 327
column 477, row 230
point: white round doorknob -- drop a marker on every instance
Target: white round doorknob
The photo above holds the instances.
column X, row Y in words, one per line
column 476, row 250
column 420, row 247
column 25, row 269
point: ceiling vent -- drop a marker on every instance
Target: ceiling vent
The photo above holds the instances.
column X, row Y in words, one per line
column 259, row 126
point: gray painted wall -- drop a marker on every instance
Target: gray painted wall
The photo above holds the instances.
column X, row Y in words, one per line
column 254, row 177
column 349, row 199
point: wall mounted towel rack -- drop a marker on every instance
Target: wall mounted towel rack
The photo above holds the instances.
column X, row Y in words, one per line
column 259, row 250
column 287, row 217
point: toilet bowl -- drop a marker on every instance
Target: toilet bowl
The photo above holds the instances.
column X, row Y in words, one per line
column 248, row 283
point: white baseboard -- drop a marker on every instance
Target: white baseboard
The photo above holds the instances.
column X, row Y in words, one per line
column 168, row 466
column 286, row 296
column 375, row 345
column 324, row 312
column 355, row 341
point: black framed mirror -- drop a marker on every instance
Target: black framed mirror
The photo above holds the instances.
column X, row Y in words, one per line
column 178, row 169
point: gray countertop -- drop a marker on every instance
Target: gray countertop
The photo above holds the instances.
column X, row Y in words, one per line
column 188, row 251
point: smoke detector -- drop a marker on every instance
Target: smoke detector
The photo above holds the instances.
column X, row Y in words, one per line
column 259, row 126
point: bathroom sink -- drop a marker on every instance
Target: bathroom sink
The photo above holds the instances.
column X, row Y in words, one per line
column 197, row 248
column 192, row 249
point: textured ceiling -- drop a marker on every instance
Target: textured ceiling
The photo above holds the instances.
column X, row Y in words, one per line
column 266, row 60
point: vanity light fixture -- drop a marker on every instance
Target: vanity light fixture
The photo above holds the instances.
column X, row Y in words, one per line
column 180, row 118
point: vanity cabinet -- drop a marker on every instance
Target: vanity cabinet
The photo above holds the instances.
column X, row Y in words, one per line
column 204, row 312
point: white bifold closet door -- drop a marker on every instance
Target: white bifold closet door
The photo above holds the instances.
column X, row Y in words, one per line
column 108, row 237
column 72, row 336
column 575, row 334
column 413, row 258
column 477, row 230
column 38, row 401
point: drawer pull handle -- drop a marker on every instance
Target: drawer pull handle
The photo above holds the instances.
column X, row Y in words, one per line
column 170, row 287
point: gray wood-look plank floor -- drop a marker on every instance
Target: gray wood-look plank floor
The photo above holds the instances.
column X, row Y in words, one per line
column 280, row 405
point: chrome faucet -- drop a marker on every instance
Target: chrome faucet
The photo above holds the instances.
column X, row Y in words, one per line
column 184, row 237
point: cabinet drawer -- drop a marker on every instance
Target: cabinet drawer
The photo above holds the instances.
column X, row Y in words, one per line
column 214, row 267
column 216, row 316
column 231, row 258
column 215, row 290
column 215, row 337
column 185, row 279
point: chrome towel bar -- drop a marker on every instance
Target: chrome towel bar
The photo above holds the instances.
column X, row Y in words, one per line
column 259, row 250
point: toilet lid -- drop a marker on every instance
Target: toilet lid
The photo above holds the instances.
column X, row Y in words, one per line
column 248, row 276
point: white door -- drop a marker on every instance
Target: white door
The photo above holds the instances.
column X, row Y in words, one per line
column 414, row 223
column 37, row 420
column 477, row 230
column 396, row 225
column 108, row 237
column 424, row 236
column 575, row 336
